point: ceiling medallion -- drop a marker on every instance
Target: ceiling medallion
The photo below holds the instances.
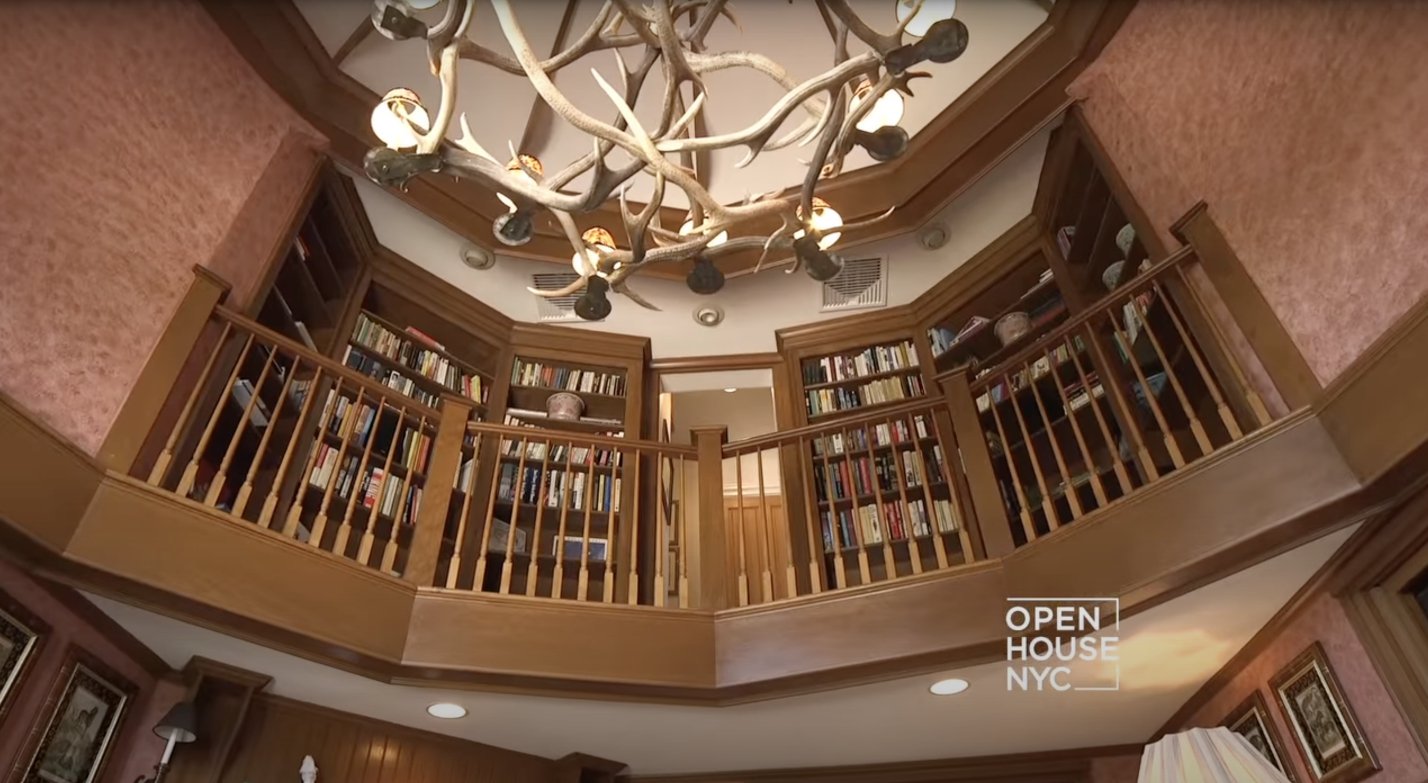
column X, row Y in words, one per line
column 709, row 315
column 858, row 102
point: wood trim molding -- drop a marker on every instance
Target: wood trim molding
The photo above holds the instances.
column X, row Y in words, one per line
column 717, row 363
column 1247, row 306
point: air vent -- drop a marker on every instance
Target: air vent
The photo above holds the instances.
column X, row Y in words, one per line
column 862, row 283
column 560, row 308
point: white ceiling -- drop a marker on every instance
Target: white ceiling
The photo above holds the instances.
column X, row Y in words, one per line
column 1167, row 652
column 498, row 104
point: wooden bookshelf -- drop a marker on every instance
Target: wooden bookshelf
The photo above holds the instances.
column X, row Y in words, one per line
column 966, row 335
column 603, row 389
column 860, row 378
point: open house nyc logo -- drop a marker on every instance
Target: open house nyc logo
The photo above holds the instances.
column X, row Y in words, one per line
column 1063, row 644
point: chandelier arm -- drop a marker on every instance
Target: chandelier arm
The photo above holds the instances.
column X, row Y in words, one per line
column 712, row 10
column 602, row 147
column 826, row 141
column 878, row 42
column 719, row 61
column 428, row 142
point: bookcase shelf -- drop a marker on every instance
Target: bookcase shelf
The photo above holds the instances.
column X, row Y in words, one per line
column 864, row 377
column 967, row 335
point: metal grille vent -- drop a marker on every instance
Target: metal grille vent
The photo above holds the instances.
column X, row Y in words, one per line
column 862, row 283
column 560, row 308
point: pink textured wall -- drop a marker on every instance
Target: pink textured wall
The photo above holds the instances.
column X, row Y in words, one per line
column 1323, row 620
column 1301, row 125
column 136, row 136
column 136, row 750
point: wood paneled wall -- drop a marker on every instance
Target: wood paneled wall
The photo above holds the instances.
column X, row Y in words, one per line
column 354, row 749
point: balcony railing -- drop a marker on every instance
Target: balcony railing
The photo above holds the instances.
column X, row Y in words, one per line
column 267, row 432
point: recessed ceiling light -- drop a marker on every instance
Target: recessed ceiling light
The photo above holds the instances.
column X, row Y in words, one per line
column 731, row 389
column 447, row 710
column 950, row 686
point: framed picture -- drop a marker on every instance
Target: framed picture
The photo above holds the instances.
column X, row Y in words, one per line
column 21, row 634
column 85, row 710
column 1325, row 728
column 1251, row 721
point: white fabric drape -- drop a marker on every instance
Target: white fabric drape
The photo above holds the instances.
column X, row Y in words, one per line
column 1206, row 756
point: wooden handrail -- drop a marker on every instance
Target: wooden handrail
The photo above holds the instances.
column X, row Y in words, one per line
column 1130, row 288
column 330, row 365
column 543, row 434
column 759, row 442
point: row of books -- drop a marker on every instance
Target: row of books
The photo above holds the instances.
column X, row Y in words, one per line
column 1020, row 379
column 344, row 418
column 528, row 373
column 863, row 476
column 842, row 398
column 884, row 434
column 375, row 338
column 374, row 488
column 388, row 377
column 869, row 361
column 891, row 521
column 521, row 417
column 943, row 339
column 561, row 489
column 559, row 453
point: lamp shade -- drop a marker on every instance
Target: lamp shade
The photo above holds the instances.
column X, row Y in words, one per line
column 179, row 724
column 1206, row 756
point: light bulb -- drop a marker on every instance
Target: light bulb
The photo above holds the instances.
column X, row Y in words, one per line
column 886, row 111
column 826, row 219
column 531, row 162
column 688, row 230
column 932, row 11
column 398, row 118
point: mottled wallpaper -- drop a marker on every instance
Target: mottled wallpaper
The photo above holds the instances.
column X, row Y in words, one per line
column 1301, row 125
column 135, row 138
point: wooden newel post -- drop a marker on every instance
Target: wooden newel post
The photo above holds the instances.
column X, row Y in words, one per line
column 708, row 546
column 990, row 515
column 436, row 495
column 162, row 371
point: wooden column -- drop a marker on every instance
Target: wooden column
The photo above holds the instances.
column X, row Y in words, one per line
column 708, row 568
column 161, row 372
column 990, row 518
column 436, row 495
column 1248, row 308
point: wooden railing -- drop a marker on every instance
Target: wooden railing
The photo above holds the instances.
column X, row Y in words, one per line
column 551, row 514
column 869, row 499
column 1133, row 388
column 275, row 435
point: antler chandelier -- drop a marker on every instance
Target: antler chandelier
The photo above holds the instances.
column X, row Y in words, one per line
column 855, row 103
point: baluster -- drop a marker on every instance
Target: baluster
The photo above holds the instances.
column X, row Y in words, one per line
column 1072, row 499
column 612, row 528
column 1149, row 394
column 381, row 487
column 683, row 541
column 190, row 473
column 661, row 542
column 909, row 523
column 518, row 499
column 402, row 515
column 770, row 539
column 815, row 520
column 883, row 519
column 1196, row 428
column 453, row 566
column 1112, row 445
column 557, row 585
column 240, row 502
column 1098, row 490
column 582, row 589
column 741, row 563
column 358, row 494
column 860, row 534
column 925, row 481
column 270, row 502
column 634, row 518
column 161, row 465
column 954, row 498
column 834, row 528
column 1232, row 425
column 478, row 582
column 1048, row 506
column 1256, row 404
column 215, row 486
column 533, row 570
column 1024, row 506
column 1114, row 387
column 290, row 526
column 346, row 426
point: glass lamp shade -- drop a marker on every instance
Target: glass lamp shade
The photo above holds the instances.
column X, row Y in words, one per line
column 932, row 11
column 886, row 111
column 688, row 230
column 179, row 724
column 827, row 220
column 530, row 162
column 422, row 5
column 1206, row 756
column 598, row 241
column 398, row 118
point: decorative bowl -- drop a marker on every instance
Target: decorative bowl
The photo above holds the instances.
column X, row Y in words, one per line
column 564, row 406
column 1112, row 276
column 1125, row 238
column 1012, row 326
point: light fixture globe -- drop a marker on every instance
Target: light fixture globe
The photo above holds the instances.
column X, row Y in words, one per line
column 887, row 109
column 923, row 18
column 398, row 118
column 687, row 230
column 522, row 166
column 827, row 220
column 598, row 242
